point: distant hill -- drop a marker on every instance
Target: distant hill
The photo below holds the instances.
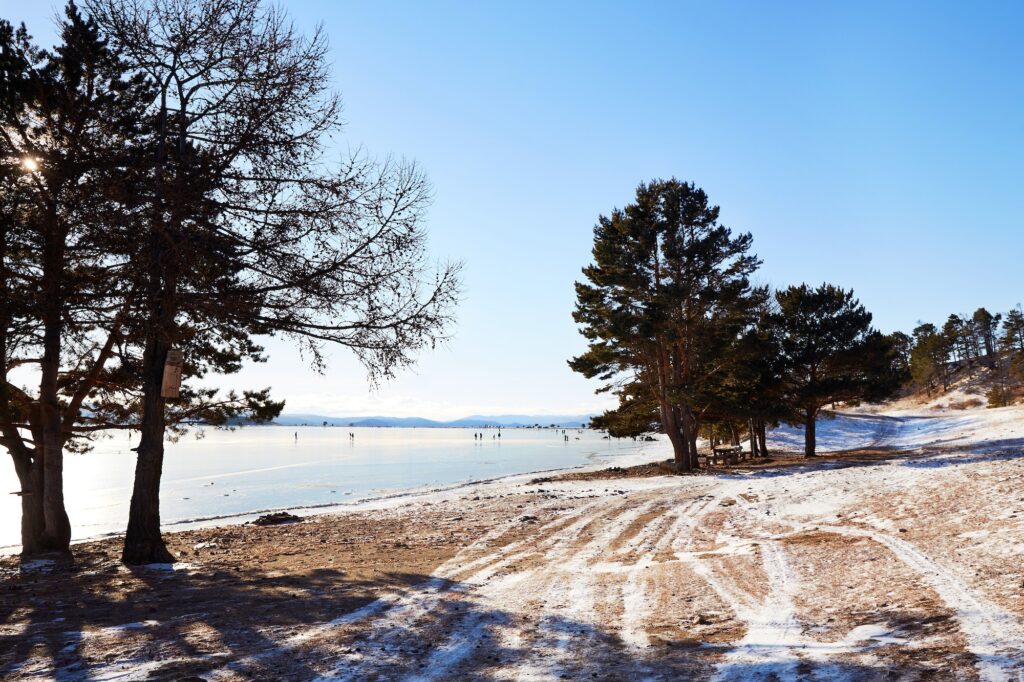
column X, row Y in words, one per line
column 472, row 422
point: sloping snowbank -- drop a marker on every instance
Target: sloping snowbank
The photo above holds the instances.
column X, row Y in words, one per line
column 980, row 430
column 842, row 431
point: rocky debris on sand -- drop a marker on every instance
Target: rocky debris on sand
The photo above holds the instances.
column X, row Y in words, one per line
column 276, row 518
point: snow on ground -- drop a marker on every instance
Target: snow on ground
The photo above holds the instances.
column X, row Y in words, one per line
column 835, row 433
column 905, row 563
column 977, row 430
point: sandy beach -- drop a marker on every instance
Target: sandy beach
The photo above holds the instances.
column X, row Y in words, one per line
column 900, row 557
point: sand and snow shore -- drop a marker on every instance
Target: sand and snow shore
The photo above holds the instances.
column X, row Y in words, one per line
column 901, row 558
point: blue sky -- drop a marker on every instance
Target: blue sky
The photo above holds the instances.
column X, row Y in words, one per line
column 875, row 146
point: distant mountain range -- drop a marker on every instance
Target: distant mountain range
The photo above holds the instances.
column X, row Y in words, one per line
column 473, row 422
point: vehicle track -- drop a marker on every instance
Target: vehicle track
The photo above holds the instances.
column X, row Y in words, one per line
column 581, row 594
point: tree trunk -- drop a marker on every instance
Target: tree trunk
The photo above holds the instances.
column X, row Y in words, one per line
column 30, row 476
column 810, row 435
column 671, row 424
column 752, row 434
column 143, row 542
column 679, row 453
column 56, row 525
column 762, row 436
column 688, row 431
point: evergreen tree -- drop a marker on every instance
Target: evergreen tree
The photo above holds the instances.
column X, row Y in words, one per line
column 1013, row 331
column 958, row 340
column 71, row 117
column 748, row 392
column 929, row 357
column 987, row 325
column 903, row 345
column 830, row 353
column 667, row 297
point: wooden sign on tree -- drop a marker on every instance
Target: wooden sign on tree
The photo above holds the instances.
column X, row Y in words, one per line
column 172, row 374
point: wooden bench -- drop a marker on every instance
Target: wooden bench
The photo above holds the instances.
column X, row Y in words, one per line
column 726, row 454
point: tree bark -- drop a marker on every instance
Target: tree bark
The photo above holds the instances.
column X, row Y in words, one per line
column 810, row 434
column 31, row 480
column 143, row 542
column 672, row 430
column 762, row 436
column 56, row 525
column 694, row 462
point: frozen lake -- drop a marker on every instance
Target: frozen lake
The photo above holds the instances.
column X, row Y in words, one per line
column 226, row 474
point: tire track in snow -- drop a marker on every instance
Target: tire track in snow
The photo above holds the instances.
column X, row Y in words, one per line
column 564, row 582
column 566, row 586
column 421, row 612
column 485, row 597
column 636, row 600
column 994, row 635
column 459, row 562
column 773, row 638
column 774, row 645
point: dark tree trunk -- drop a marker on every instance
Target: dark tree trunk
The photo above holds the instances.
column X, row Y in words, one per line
column 810, row 434
column 762, row 436
column 679, row 453
column 30, row 476
column 143, row 542
column 56, row 525
column 752, row 431
column 670, row 421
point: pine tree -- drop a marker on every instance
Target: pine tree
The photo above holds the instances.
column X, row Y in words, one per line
column 830, row 353
column 987, row 326
column 1013, row 331
column 929, row 357
column 667, row 297
column 903, row 345
column 71, row 116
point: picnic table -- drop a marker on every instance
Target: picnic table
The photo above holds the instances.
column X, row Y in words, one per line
column 726, row 454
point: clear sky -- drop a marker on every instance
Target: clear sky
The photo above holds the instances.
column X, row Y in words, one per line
column 873, row 145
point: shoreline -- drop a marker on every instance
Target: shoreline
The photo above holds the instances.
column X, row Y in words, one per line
column 369, row 502
column 396, row 496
